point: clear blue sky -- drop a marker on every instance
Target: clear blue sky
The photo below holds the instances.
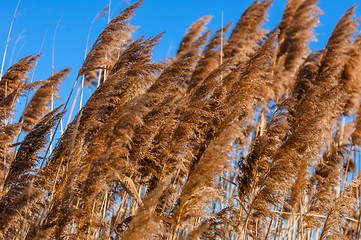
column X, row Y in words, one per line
column 37, row 20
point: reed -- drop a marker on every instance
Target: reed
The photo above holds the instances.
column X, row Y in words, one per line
column 243, row 134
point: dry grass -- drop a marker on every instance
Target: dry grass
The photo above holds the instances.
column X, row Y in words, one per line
column 233, row 138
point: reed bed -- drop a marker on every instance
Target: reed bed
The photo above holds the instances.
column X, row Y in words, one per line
column 244, row 134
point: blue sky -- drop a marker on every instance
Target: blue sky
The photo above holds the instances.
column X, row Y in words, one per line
column 37, row 20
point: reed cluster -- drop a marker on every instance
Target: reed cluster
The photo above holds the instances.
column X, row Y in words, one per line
column 244, row 134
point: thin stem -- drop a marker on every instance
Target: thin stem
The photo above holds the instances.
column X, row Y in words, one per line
column 53, row 47
column 109, row 7
column 18, row 39
column 312, row 215
column 8, row 38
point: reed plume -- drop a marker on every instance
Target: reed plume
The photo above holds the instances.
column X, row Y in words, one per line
column 247, row 28
column 193, row 36
column 13, row 83
column 110, row 43
column 294, row 38
column 38, row 104
column 351, row 77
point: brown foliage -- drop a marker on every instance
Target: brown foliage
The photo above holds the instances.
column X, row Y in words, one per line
column 232, row 138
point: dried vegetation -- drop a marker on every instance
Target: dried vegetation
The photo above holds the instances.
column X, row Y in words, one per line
column 251, row 136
